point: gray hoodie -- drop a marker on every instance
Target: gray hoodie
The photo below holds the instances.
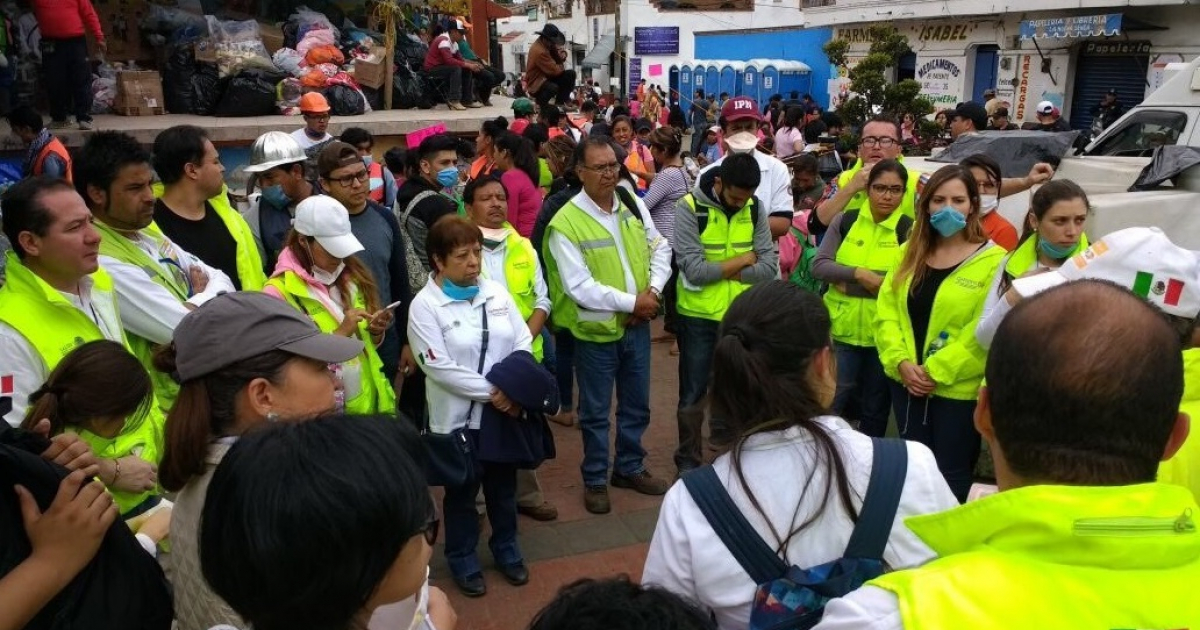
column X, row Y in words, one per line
column 689, row 253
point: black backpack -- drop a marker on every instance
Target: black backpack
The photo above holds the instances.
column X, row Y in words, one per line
column 903, row 226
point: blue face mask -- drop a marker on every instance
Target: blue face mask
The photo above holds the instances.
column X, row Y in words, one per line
column 368, row 160
column 448, row 176
column 948, row 221
column 455, row 292
column 1057, row 252
column 274, row 195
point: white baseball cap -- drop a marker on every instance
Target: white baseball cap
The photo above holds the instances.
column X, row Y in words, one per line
column 742, row 142
column 1141, row 259
column 325, row 219
column 1045, row 108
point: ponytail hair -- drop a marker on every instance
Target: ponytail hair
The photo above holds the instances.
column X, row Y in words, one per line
column 762, row 381
column 95, row 385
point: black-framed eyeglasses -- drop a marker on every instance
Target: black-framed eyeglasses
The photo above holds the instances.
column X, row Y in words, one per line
column 430, row 531
column 317, row 117
column 603, row 169
column 348, row 180
column 878, row 141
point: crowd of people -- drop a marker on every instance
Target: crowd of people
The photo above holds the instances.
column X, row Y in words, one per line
column 198, row 376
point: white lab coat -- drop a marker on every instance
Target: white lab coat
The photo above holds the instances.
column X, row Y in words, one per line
column 446, row 336
column 687, row 557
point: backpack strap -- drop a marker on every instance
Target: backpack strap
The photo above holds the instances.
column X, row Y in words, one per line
column 630, row 202
column 889, row 467
column 756, row 558
column 903, row 226
column 421, row 196
column 702, row 215
column 849, row 218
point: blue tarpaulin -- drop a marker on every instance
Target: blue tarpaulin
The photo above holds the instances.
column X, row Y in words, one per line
column 1078, row 26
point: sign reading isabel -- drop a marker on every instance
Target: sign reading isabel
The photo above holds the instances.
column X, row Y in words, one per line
column 656, row 40
column 941, row 81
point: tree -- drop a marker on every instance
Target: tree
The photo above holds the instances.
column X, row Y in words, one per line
column 872, row 93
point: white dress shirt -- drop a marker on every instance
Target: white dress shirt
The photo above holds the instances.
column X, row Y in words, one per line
column 868, row 608
column 306, row 142
column 775, row 189
column 446, row 336
column 577, row 279
column 149, row 310
column 19, row 359
column 687, row 557
column 493, row 269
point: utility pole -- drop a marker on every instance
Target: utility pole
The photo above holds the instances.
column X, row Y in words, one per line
column 619, row 51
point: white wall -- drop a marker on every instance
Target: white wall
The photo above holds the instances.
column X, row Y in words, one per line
column 851, row 11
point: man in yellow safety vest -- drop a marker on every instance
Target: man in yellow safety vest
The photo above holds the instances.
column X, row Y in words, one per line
column 1080, row 535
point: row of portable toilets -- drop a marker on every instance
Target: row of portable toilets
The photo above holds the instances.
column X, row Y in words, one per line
column 756, row 78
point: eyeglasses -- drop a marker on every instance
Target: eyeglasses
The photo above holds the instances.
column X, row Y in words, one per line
column 430, row 531
column 603, row 169
column 881, row 189
column 317, row 117
column 348, row 181
column 878, row 141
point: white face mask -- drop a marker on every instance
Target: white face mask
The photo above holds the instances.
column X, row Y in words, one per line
column 988, row 203
column 327, row 278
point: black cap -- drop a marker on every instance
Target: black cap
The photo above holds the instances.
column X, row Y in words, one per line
column 551, row 31
column 1113, row 91
column 1001, row 112
column 971, row 111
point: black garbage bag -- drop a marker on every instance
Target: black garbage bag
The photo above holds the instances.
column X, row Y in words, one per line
column 250, row 92
column 1168, row 161
column 207, row 89
column 179, row 94
column 344, row 101
column 410, row 53
column 408, row 90
column 374, row 98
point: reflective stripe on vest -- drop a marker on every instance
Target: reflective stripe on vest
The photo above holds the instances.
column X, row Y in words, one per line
column 374, row 393
column 602, row 259
column 908, row 206
column 54, row 327
column 873, row 246
column 723, row 238
column 375, row 171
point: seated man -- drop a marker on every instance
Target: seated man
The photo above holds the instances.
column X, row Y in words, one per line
column 445, row 64
column 545, row 77
column 1080, row 535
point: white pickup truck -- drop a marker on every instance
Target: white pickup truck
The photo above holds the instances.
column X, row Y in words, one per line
column 1111, row 163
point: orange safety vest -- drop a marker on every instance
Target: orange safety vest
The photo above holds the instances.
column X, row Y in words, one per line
column 56, row 147
column 375, row 170
column 481, row 166
column 634, row 162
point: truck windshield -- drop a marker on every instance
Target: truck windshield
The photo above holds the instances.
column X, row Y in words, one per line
column 1142, row 132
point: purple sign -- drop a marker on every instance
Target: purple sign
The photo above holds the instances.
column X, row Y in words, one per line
column 656, row 40
column 635, row 74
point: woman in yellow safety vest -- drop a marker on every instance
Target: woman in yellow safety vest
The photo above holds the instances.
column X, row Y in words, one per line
column 926, row 314
column 638, row 159
column 859, row 248
column 1053, row 234
column 317, row 274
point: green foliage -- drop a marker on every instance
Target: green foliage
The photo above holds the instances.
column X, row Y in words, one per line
column 871, row 87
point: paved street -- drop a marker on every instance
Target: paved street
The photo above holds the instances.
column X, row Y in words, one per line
column 578, row 544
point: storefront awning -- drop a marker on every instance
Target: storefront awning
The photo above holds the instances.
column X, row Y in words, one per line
column 1078, row 26
column 598, row 57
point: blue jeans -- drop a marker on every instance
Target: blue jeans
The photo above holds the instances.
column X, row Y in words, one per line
column 499, row 482
column 548, row 357
column 947, row 427
column 564, row 367
column 860, row 374
column 697, row 339
column 626, row 364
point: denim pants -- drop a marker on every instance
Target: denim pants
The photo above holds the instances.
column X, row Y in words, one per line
column 947, row 427
column 697, row 339
column 564, row 367
column 68, row 78
column 624, row 363
column 860, row 376
column 499, row 482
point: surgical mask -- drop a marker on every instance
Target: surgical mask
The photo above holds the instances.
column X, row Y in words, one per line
column 275, row 196
column 1057, row 252
column 327, row 278
column 448, row 176
column 948, row 221
column 368, row 160
column 987, row 203
column 455, row 292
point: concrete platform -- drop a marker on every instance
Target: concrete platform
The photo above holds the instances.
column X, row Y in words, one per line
column 384, row 124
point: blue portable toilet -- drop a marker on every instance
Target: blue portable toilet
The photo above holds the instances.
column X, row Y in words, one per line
column 685, row 82
column 712, row 77
column 731, row 77
column 751, row 83
column 794, row 76
column 769, row 78
column 696, row 71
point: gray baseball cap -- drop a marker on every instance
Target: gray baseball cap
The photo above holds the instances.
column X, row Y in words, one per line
column 234, row 327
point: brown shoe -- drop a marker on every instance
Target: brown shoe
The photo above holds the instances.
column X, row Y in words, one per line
column 566, row 418
column 543, row 512
column 642, row 482
column 595, row 499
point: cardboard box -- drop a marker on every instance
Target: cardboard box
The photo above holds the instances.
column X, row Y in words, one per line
column 272, row 37
column 120, row 20
column 139, row 93
column 206, row 50
column 370, row 73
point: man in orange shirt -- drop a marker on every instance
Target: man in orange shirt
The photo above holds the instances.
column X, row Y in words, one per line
column 68, row 77
column 44, row 153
